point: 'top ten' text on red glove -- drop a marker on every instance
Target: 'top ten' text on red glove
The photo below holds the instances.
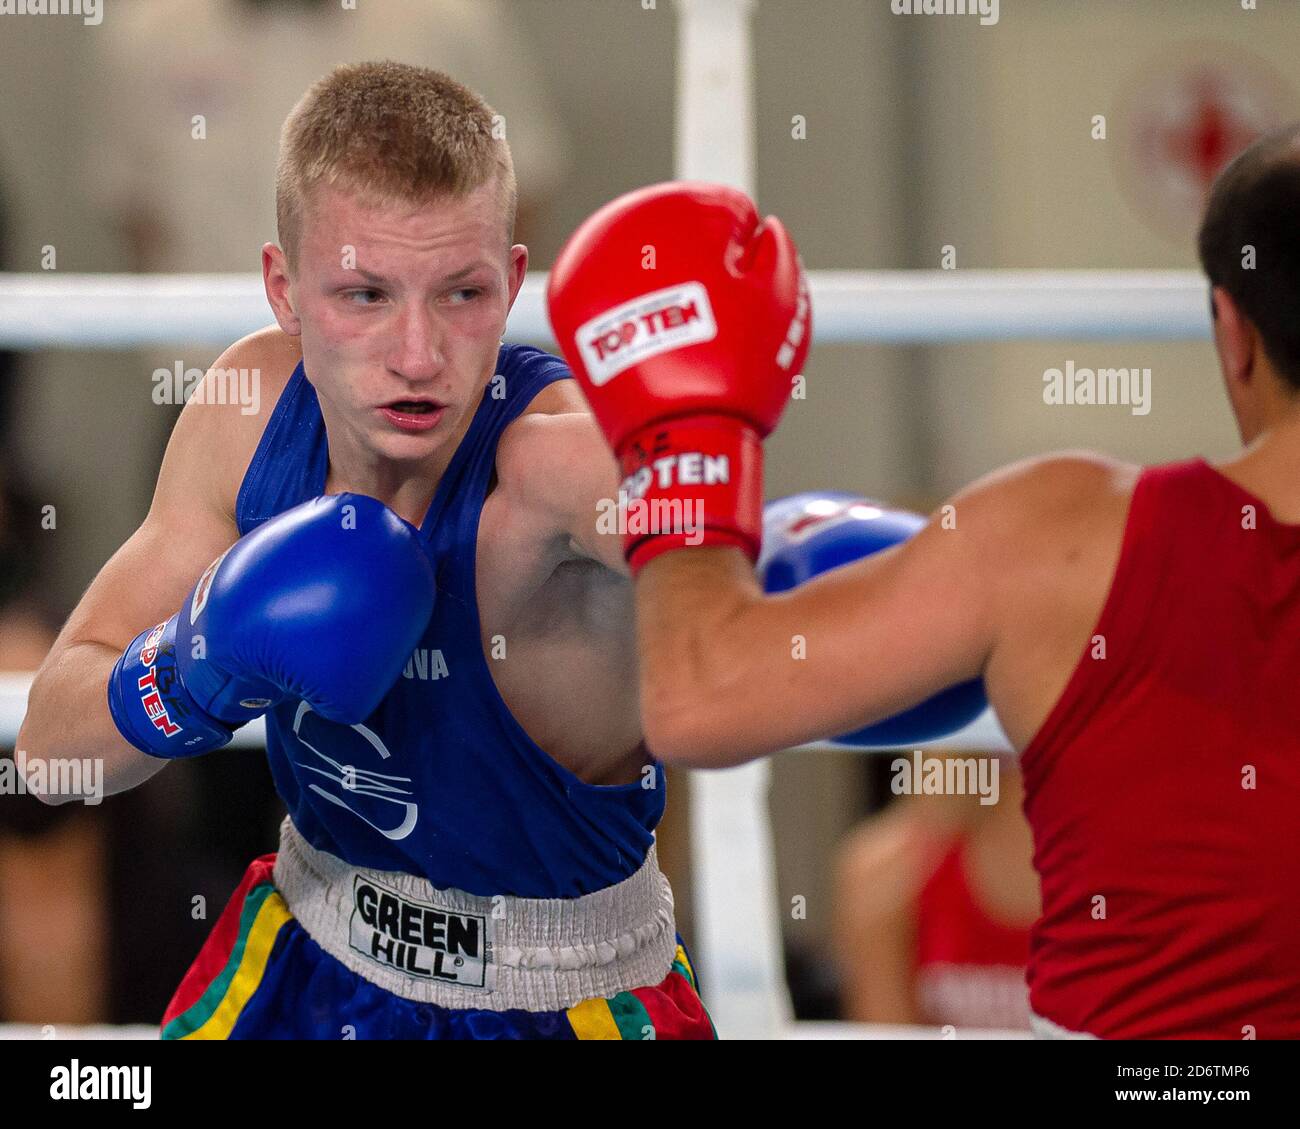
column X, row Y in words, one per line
column 686, row 320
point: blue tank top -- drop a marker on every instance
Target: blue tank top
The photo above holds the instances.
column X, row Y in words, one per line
column 441, row 781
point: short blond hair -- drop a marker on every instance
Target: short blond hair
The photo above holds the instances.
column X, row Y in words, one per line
column 388, row 133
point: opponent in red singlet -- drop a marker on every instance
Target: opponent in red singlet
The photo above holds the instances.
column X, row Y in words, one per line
column 1137, row 630
column 1163, row 788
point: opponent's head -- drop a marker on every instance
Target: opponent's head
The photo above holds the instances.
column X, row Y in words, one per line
column 395, row 202
column 1250, row 248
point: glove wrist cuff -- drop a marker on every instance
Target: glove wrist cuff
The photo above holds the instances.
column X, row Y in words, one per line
column 150, row 705
column 691, row 482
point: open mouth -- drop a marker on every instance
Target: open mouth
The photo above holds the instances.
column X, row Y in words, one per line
column 413, row 415
column 413, row 407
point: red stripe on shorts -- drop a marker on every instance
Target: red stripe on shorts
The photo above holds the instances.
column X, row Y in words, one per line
column 215, row 954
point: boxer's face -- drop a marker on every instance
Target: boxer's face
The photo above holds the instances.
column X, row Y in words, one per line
column 402, row 309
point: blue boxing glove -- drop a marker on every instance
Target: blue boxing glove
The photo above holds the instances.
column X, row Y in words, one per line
column 322, row 603
column 808, row 534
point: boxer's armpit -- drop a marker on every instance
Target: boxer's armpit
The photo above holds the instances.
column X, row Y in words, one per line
column 560, row 472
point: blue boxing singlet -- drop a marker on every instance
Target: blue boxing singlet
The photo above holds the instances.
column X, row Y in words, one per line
column 441, row 781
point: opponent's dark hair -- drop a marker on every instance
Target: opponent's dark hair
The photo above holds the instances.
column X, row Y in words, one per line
column 1255, row 203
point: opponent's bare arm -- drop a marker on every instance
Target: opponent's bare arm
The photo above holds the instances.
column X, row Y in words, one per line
column 728, row 674
column 190, row 522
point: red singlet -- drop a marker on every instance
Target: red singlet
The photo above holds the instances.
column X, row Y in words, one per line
column 1164, row 788
column 970, row 968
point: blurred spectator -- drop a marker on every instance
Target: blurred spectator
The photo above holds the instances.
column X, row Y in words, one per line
column 9, row 366
column 52, row 902
column 934, row 900
column 53, row 917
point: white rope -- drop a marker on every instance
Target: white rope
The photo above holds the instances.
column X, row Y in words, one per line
column 983, row 733
column 929, row 307
column 121, row 311
column 14, row 686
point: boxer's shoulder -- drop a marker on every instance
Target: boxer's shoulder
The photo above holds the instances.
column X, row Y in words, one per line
column 1043, row 499
column 1048, row 540
column 557, row 443
column 554, row 455
column 560, row 397
column 269, row 354
column 542, row 433
column 224, row 417
column 551, row 466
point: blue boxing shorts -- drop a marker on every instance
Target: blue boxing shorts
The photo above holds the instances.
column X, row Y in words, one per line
column 310, row 947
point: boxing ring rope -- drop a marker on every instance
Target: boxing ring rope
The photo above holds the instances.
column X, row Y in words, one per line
column 738, row 938
column 920, row 307
column 982, row 734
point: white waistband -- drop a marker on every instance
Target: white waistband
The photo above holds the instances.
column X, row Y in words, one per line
column 460, row 950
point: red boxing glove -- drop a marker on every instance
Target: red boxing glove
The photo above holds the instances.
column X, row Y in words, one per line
column 686, row 320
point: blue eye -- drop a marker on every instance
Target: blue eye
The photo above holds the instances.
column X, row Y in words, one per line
column 474, row 293
column 354, row 296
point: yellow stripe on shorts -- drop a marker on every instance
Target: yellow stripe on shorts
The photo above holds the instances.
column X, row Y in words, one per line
column 592, row 1019
column 272, row 916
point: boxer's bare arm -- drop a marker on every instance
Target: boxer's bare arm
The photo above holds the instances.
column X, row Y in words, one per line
column 728, row 674
column 565, row 478
column 190, row 522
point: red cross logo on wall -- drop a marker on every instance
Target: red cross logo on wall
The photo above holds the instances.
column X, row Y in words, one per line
column 1184, row 122
column 1212, row 135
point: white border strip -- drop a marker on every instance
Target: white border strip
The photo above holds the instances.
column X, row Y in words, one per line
column 123, row 311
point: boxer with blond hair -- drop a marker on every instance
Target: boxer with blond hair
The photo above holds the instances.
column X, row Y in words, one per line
column 393, row 562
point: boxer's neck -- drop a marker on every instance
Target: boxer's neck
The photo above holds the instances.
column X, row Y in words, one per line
column 1270, row 467
column 406, row 488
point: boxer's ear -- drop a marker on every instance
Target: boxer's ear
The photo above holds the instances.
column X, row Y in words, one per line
column 279, row 289
column 517, row 269
column 1234, row 338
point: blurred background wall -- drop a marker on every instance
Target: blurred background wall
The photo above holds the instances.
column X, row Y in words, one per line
column 925, row 136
